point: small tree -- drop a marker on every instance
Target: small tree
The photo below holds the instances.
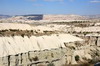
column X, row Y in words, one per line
column 77, row 58
column 35, row 58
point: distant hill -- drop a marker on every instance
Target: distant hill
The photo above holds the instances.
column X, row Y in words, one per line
column 33, row 15
column 4, row 16
column 50, row 17
column 93, row 16
column 63, row 17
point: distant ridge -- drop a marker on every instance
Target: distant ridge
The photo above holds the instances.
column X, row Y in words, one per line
column 93, row 16
column 30, row 15
column 4, row 16
column 50, row 17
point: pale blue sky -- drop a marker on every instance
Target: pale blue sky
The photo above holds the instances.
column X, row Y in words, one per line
column 20, row 7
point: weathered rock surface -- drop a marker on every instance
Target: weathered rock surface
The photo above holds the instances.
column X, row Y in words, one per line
column 25, row 48
column 20, row 44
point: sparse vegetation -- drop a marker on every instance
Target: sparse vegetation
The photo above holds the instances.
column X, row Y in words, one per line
column 12, row 35
column 35, row 58
column 22, row 35
column 50, row 64
column 85, row 33
column 80, row 64
column 52, row 55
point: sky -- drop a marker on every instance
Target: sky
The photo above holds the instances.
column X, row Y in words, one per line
column 23, row 7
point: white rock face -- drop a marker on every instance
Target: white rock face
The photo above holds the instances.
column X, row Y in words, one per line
column 4, row 26
column 87, row 29
column 63, row 17
column 18, row 44
column 98, row 42
column 18, row 26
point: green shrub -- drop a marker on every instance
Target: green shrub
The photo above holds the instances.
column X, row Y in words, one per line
column 51, row 64
column 22, row 35
column 35, row 58
column 77, row 58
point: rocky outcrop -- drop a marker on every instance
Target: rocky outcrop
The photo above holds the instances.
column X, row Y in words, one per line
column 33, row 58
column 42, row 46
column 19, row 44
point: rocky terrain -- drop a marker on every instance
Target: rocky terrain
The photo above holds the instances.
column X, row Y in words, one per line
column 70, row 43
